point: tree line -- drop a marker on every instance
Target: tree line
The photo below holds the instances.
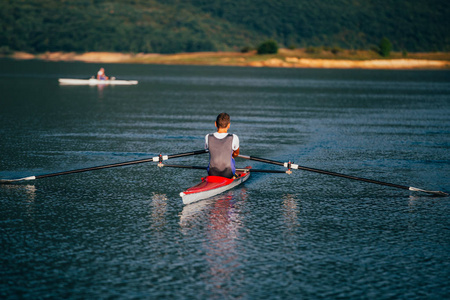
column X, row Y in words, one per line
column 172, row 26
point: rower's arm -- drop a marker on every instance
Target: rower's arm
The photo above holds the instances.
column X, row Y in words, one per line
column 236, row 152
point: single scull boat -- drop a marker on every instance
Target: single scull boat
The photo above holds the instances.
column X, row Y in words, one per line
column 213, row 185
column 93, row 81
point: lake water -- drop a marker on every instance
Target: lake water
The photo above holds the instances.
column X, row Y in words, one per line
column 123, row 233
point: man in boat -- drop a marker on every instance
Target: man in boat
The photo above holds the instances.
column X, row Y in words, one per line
column 223, row 148
column 101, row 74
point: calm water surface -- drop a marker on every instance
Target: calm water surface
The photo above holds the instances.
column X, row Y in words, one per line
column 124, row 233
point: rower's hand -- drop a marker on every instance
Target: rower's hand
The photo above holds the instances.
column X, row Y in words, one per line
column 235, row 153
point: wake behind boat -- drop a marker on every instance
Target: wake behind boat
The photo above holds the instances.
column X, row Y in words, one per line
column 93, row 81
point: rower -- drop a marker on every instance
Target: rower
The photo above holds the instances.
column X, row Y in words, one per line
column 101, row 74
column 223, row 148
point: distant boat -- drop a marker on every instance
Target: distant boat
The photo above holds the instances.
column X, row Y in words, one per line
column 93, row 81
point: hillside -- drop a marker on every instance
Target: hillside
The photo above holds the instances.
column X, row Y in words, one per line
column 173, row 26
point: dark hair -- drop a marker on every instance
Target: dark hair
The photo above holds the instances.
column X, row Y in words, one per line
column 222, row 121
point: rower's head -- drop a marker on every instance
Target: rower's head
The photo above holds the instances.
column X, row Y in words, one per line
column 223, row 121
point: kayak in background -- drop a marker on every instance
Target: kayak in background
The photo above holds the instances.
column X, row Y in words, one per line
column 93, row 81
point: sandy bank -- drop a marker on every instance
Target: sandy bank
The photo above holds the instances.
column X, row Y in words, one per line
column 295, row 62
column 238, row 59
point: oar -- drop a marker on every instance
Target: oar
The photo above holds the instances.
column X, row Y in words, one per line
column 290, row 165
column 159, row 158
column 205, row 168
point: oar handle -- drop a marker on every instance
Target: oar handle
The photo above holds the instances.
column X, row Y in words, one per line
column 186, row 154
column 264, row 160
column 183, row 166
column 205, row 168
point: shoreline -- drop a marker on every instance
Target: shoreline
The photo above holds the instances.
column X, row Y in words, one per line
column 284, row 59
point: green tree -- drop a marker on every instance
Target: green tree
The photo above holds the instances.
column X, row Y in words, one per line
column 268, row 47
column 385, row 47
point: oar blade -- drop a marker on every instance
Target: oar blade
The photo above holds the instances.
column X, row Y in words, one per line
column 435, row 193
column 6, row 181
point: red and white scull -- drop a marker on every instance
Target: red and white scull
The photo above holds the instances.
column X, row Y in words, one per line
column 213, row 185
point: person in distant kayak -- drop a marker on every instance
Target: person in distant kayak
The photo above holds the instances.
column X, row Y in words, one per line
column 101, row 74
column 223, row 148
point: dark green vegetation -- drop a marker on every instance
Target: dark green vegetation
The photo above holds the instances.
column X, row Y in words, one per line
column 268, row 47
column 170, row 26
column 385, row 47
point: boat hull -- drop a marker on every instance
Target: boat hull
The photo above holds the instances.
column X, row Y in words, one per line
column 213, row 185
column 93, row 81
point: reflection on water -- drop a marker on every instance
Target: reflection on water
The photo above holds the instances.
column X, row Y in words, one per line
column 100, row 88
column 28, row 190
column 23, row 196
column 221, row 238
column 192, row 213
column 158, row 211
column 221, row 248
column 290, row 212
